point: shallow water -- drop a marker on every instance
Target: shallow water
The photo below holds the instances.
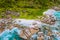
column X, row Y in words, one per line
column 54, row 28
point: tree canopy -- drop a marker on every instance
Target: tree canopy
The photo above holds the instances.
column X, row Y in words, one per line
column 27, row 5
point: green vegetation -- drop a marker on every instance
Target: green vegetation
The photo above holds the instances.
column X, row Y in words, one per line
column 28, row 9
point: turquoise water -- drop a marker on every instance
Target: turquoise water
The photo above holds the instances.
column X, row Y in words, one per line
column 11, row 34
column 57, row 15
